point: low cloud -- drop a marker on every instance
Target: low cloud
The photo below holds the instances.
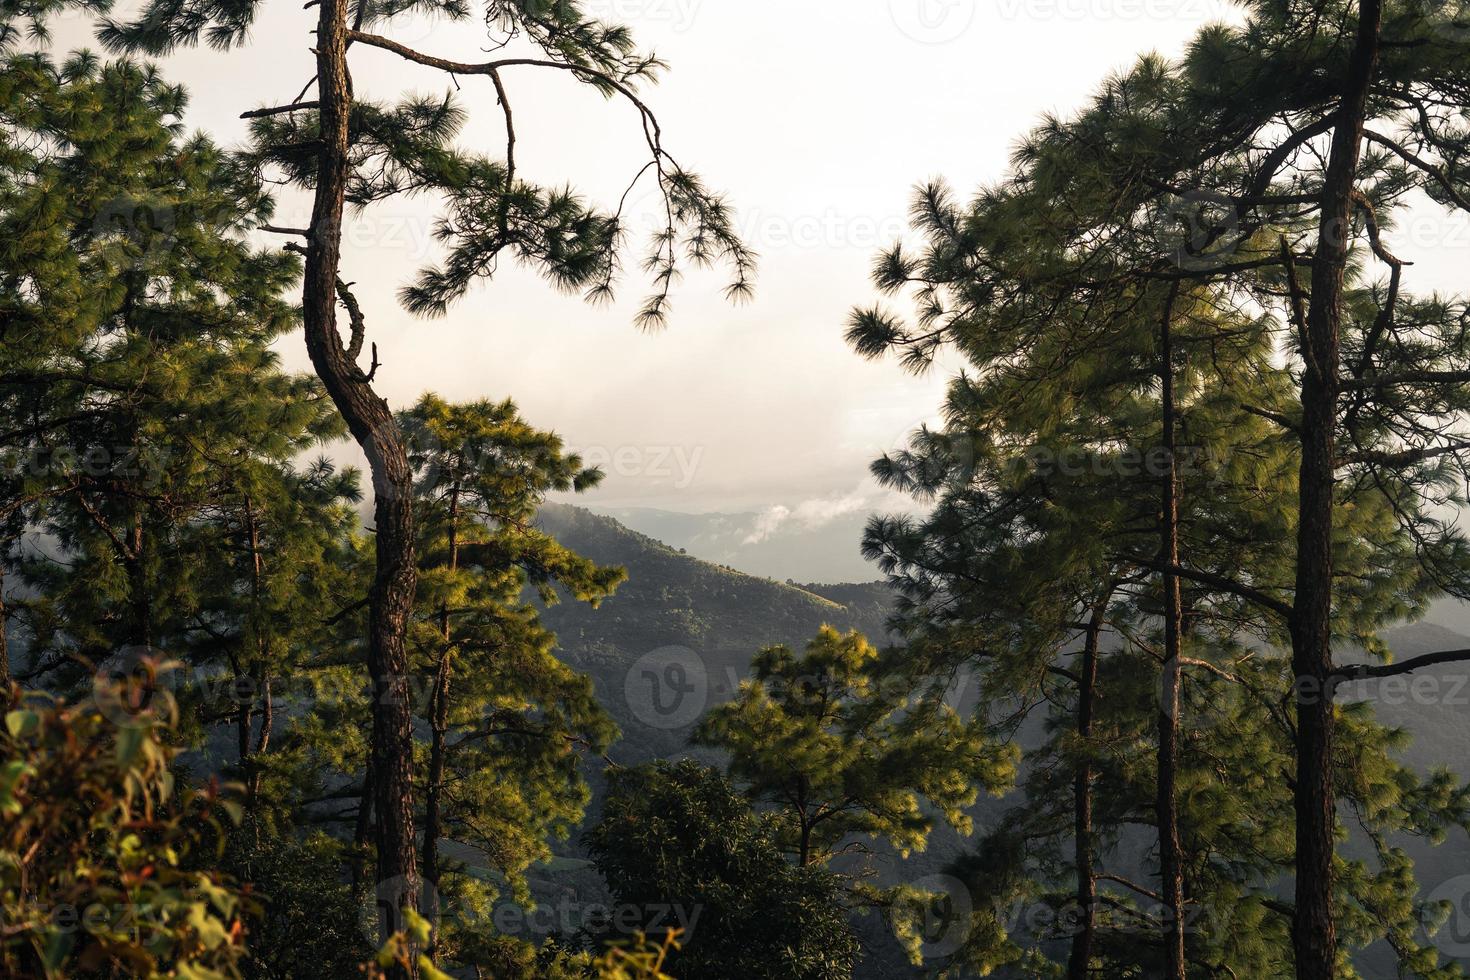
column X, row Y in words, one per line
column 807, row 515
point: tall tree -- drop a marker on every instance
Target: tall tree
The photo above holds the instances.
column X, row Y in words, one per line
column 509, row 724
column 350, row 150
column 1274, row 145
column 141, row 406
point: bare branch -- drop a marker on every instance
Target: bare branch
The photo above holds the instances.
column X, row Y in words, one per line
column 280, row 109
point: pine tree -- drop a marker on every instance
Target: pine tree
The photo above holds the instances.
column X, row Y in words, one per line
column 509, row 724
column 842, row 752
column 1216, row 189
column 134, row 430
column 678, row 840
column 353, row 151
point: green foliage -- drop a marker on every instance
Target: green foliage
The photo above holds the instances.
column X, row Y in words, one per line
column 305, row 923
column 1188, row 193
column 677, row 839
column 843, row 751
column 154, row 421
column 510, row 722
column 105, row 888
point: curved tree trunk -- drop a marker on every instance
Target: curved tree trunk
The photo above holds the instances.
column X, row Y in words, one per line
column 372, row 424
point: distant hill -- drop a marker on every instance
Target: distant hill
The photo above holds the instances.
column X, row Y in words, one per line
column 679, row 635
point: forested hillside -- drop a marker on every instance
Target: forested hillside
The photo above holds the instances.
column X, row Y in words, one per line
column 718, row 618
column 309, row 667
column 702, row 619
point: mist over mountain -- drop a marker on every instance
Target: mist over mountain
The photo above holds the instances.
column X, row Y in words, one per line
column 818, row 540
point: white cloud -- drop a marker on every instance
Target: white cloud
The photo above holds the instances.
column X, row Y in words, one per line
column 807, row 515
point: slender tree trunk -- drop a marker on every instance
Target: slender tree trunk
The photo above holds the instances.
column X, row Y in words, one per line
column 267, row 715
column 805, row 821
column 249, row 764
column 140, row 599
column 372, row 425
column 1314, row 932
column 1171, row 864
column 439, row 726
column 1082, row 939
column 5, row 676
column 243, row 713
column 362, row 829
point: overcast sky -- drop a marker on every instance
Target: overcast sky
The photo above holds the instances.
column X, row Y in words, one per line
column 816, row 118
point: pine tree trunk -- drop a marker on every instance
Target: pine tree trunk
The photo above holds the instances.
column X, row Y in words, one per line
column 362, row 829
column 1082, row 939
column 439, row 724
column 267, row 715
column 439, row 732
column 140, row 600
column 249, row 765
column 372, row 425
column 5, row 676
column 1314, row 932
column 242, row 724
column 1171, row 865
